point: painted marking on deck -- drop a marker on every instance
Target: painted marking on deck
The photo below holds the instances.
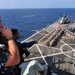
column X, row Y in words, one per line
column 41, row 54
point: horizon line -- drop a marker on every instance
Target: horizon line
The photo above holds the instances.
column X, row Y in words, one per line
column 37, row 8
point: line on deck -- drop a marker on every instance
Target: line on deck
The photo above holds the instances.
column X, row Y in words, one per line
column 41, row 54
column 49, row 47
column 34, row 58
column 48, row 34
column 32, row 35
column 69, row 47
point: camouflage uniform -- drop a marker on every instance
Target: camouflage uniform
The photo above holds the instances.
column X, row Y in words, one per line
column 3, row 58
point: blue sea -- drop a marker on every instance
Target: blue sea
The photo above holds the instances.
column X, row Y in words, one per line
column 28, row 21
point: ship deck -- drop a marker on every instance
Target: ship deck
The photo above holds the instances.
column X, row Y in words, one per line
column 60, row 55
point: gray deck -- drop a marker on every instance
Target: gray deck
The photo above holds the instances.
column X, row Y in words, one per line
column 61, row 56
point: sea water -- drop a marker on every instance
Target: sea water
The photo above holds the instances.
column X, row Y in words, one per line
column 29, row 21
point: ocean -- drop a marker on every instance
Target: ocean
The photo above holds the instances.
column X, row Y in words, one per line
column 29, row 21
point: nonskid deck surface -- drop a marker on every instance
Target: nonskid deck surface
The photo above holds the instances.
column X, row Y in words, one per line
column 54, row 48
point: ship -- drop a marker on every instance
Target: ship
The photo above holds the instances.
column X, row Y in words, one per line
column 55, row 48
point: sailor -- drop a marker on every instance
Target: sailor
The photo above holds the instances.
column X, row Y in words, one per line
column 22, row 48
column 8, row 57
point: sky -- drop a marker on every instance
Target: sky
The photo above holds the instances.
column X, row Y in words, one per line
column 16, row 4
